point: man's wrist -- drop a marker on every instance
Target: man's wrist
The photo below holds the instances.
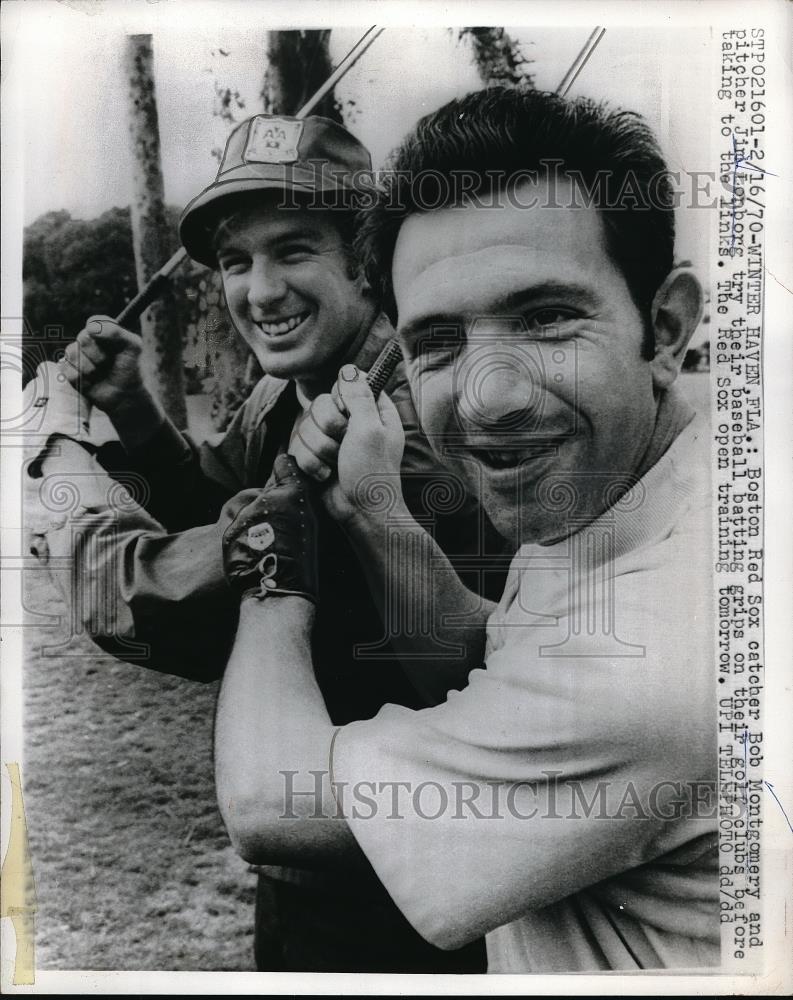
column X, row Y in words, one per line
column 288, row 610
column 370, row 523
column 137, row 418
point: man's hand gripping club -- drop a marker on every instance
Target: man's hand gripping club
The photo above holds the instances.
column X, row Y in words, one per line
column 270, row 546
column 351, row 433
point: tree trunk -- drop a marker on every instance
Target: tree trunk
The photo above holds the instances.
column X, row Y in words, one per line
column 152, row 241
column 298, row 63
column 498, row 57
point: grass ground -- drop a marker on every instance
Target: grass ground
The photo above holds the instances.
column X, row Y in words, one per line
column 133, row 867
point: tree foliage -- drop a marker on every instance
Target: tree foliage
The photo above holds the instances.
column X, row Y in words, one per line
column 75, row 267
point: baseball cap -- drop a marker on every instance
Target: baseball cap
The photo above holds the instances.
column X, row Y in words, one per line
column 268, row 152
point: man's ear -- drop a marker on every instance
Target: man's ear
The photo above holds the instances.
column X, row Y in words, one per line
column 676, row 312
column 362, row 284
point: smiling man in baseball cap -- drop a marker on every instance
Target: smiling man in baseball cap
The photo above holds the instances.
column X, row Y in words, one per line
column 292, row 287
column 278, row 223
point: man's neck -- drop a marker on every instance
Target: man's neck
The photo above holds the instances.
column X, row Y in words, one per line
column 313, row 385
column 673, row 415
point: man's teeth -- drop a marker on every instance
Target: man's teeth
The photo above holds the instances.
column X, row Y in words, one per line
column 502, row 458
column 284, row 326
column 498, row 458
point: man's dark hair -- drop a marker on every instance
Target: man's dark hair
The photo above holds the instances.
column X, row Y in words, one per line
column 502, row 132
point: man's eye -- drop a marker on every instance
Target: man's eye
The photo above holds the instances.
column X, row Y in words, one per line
column 547, row 320
column 440, row 347
column 233, row 265
column 295, row 252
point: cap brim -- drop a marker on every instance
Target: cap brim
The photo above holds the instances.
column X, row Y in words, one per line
column 199, row 219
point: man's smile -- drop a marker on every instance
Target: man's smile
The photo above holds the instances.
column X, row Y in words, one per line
column 280, row 326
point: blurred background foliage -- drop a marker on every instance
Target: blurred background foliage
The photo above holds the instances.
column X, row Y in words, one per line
column 73, row 268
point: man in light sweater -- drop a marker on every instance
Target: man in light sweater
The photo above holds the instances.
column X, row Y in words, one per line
column 561, row 803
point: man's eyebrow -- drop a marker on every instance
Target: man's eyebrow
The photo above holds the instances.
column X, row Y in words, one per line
column 224, row 246
column 507, row 306
column 430, row 322
column 515, row 301
column 299, row 233
column 229, row 242
column 221, row 240
column 226, row 239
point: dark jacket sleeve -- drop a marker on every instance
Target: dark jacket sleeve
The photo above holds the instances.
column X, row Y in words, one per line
column 184, row 484
column 148, row 597
column 145, row 574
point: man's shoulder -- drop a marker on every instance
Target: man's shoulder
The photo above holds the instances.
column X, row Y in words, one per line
column 679, row 491
column 264, row 395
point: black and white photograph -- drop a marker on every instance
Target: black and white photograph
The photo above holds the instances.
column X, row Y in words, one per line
column 396, row 548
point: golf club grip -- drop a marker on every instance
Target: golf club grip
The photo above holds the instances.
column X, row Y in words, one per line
column 383, row 367
column 135, row 308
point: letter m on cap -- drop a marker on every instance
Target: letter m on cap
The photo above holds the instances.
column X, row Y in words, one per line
column 273, row 140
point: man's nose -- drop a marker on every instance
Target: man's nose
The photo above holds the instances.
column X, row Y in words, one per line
column 497, row 388
column 267, row 284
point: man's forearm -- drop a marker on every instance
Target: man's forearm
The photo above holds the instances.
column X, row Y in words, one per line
column 181, row 493
column 273, row 737
column 170, row 591
column 137, row 420
column 435, row 624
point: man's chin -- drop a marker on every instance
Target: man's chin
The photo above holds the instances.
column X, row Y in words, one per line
column 522, row 526
column 284, row 364
column 280, row 367
column 506, row 522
